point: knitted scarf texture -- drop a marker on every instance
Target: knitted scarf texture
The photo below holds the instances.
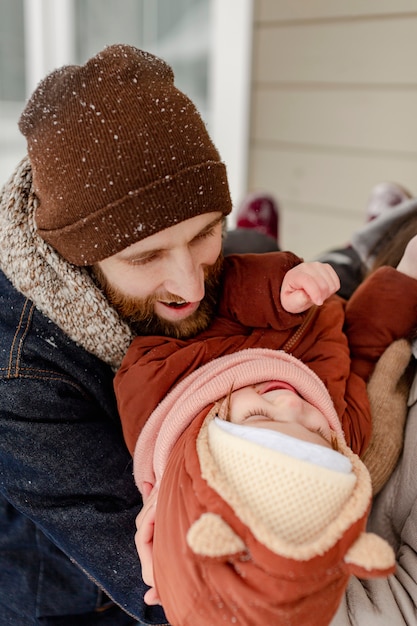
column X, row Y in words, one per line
column 63, row 292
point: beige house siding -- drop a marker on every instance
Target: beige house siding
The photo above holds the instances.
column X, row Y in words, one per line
column 333, row 111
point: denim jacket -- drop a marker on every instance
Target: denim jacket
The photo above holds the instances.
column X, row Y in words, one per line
column 67, row 492
column 68, row 501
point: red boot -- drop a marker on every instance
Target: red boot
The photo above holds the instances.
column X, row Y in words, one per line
column 259, row 211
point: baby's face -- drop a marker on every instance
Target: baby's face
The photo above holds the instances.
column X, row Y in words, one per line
column 277, row 406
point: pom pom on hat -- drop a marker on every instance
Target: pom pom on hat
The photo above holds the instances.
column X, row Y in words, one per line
column 118, row 153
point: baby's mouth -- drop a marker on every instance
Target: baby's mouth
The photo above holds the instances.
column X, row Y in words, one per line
column 273, row 385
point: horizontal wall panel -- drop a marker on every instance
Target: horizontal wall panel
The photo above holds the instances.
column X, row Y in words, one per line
column 333, row 111
column 357, row 52
column 337, row 181
column 323, row 196
column 309, row 231
column 350, row 119
column 276, row 10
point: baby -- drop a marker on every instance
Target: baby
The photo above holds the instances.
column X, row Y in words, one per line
column 257, row 506
column 254, row 534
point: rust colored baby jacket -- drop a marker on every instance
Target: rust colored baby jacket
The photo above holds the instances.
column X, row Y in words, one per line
column 340, row 341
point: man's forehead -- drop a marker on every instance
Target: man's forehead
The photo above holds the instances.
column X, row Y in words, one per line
column 173, row 235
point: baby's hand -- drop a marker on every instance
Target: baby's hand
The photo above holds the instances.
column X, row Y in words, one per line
column 307, row 284
column 408, row 263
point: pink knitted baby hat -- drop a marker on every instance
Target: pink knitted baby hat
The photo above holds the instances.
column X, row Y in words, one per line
column 210, row 383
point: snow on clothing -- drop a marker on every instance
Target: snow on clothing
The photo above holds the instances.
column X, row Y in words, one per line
column 250, row 315
column 394, row 511
column 255, row 536
column 118, row 153
column 67, row 492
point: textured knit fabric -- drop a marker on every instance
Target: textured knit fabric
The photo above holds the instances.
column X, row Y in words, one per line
column 320, row 455
column 293, row 499
column 211, row 382
column 118, row 153
column 64, row 293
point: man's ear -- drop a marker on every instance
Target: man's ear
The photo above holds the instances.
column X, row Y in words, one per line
column 370, row 557
column 210, row 536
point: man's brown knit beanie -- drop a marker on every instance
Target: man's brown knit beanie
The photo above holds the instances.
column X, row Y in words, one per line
column 118, row 153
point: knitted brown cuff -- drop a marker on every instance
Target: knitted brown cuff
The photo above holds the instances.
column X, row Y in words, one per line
column 388, row 390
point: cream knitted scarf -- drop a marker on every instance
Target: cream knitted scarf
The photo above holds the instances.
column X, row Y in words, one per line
column 63, row 292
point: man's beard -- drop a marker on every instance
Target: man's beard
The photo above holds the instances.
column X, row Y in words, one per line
column 140, row 315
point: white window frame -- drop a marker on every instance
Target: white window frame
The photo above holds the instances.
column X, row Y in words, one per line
column 49, row 40
column 229, row 89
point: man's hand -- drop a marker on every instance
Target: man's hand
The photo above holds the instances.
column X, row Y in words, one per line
column 307, row 284
column 144, row 545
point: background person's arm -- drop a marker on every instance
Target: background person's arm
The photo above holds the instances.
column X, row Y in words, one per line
column 394, row 517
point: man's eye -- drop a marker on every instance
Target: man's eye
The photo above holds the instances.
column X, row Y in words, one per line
column 206, row 233
column 143, row 260
column 210, row 231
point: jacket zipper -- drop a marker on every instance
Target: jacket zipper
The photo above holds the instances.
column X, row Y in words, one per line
column 292, row 342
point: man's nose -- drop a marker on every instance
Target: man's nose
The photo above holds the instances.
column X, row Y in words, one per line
column 185, row 277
